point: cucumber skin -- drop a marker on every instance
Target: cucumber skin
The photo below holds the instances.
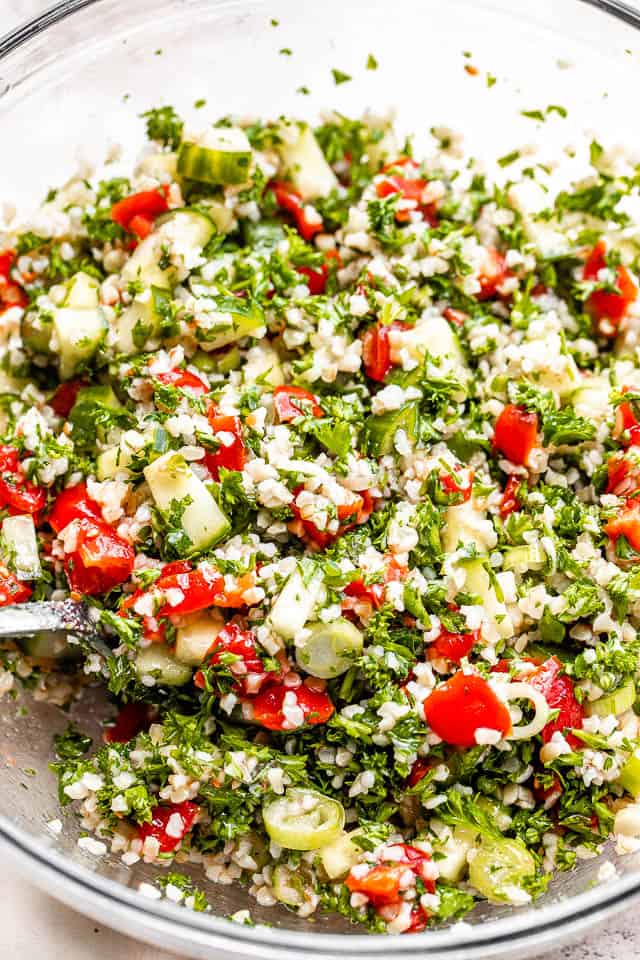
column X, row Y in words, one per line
column 381, row 430
column 213, row 166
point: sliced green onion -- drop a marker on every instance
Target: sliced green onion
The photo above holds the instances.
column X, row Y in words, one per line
column 303, row 819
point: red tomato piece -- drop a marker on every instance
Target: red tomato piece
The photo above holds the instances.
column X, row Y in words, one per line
column 457, row 317
column 494, row 272
column 457, row 485
column 9, row 459
column 376, row 352
column 462, row 705
column 547, row 796
column 73, row 503
column 452, row 646
column 148, row 204
column 516, row 433
column 372, row 593
column 557, row 689
column 182, row 817
column 385, row 884
column 604, row 304
column 16, row 492
column 626, row 524
column 267, row 706
column 199, row 592
column 185, row 380
column 510, row 502
column 132, row 719
column 231, row 454
column 351, row 515
column 290, row 200
column 176, row 566
column 317, row 278
column 64, row 398
column 411, row 190
column 101, row 560
column 7, row 260
column 627, row 428
column 141, row 225
column 288, row 405
column 12, row 590
column 248, row 669
column 418, row 772
column 623, row 476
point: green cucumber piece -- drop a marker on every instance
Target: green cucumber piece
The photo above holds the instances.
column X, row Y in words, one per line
column 19, row 534
column 530, row 556
column 262, row 367
column 117, row 459
column 92, row 409
column 306, row 166
column 339, row 856
column 159, row 165
column 295, row 604
column 36, row 328
column 629, row 778
column 79, row 333
column 220, row 156
column 157, row 661
column 499, row 868
column 142, row 320
column 180, row 232
column 434, row 335
column 477, row 581
column 49, row 645
column 195, row 637
column 330, row 649
column 172, row 480
column 288, row 886
column 232, row 320
column 230, row 359
column 380, row 431
column 613, row 703
column 83, row 292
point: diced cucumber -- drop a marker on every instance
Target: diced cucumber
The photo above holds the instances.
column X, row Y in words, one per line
column 340, row 855
column 384, row 150
column 117, row 459
column 453, row 865
column 498, row 869
column 465, row 524
column 79, row 333
column 563, row 381
column 330, row 649
column 142, row 320
column 49, row 645
column 434, row 335
column 221, row 215
column 591, row 399
column 288, row 886
column 629, row 778
column 158, row 662
column 305, row 163
column 262, row 367
column 295, row 604
column 381, row 430
column 613, row 704
column 36, row 328
column 232, row 320
column 19, row 535
column 83, row 292
column 92, row 407
column 530, row 556
column 477, row 581
column 159, row 165
column 172, row 481
column 195, row 636
column 230, row 359
column 180, row 234
column 222, row 155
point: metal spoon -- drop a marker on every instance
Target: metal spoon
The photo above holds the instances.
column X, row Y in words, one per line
column 53, row 622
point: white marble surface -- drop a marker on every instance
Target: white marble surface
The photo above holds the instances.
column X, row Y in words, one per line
column 34, row 925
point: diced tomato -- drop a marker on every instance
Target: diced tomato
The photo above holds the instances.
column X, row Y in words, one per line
column 316, row 706
column 376, row 352
column 199, row 592
column 516, row 433
column 132, row 719
column 457, row 317
column 418, row 772
column 385, row 883
column 16, row 492
column 182, row 816
column 623, row 476
column 185, row 380
column 286, row 401
column 547, row 796
column 372, row 593
column 7, row 260
column 176, row 566
column 73, row 503
column 510, row 502
column 153, row 629
column 144, row 206
column 627, row 428
column 493, row 273
column 141, row 225
column 317, row 277
column 350, row 515
column 11, row 294
column 64, row 398
column 456, row 485
column 290, row 200
column 248, row 669
column 411, row 190
column 12, row 590
column 231, row 454
column 603, row 304
column 626, row 524
column 452, row 646
column 462, row 705
column 557, row 689
column 101, row 559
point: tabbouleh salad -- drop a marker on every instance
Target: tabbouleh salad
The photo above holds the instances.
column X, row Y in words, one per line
column 341, row 445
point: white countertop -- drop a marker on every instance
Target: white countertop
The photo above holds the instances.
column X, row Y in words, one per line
column 34, row 925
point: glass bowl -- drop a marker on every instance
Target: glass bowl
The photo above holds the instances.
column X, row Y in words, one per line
column 72, row 84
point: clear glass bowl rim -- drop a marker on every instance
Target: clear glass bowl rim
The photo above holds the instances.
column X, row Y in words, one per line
column 532, row 930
